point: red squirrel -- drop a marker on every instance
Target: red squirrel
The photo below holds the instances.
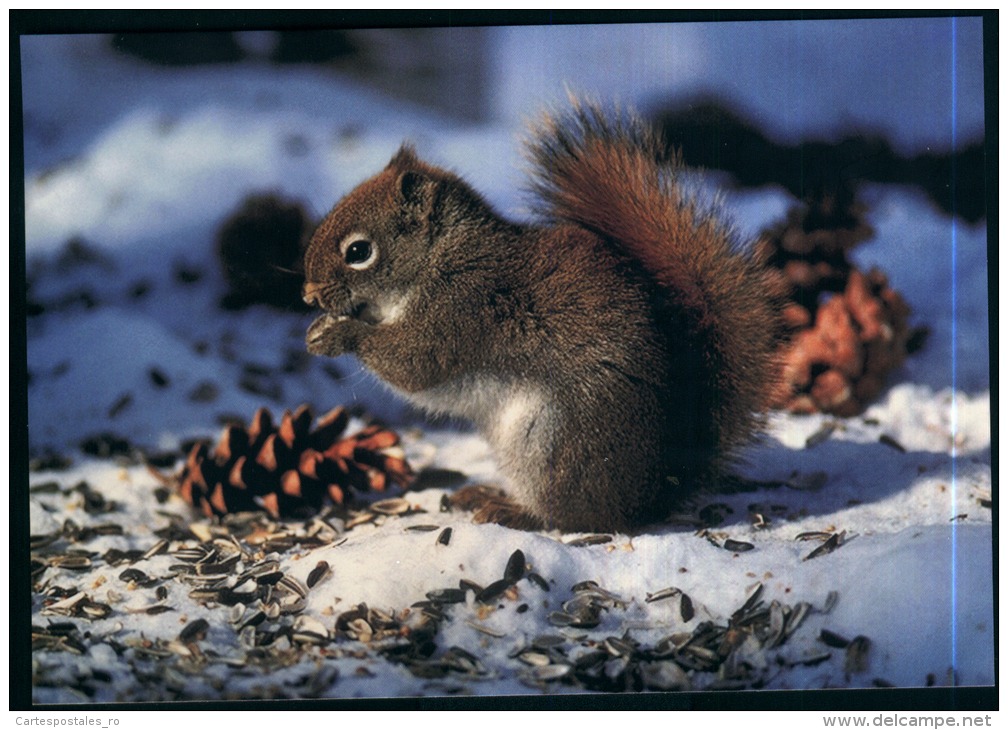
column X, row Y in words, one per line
column 614, row 354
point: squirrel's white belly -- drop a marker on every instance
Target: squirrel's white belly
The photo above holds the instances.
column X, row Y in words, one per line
column 517, row 419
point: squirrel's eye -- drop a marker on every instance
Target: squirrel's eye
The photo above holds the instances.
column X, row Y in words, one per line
column 359, row 254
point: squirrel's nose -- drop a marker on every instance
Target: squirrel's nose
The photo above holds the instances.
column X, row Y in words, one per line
column 312, row 294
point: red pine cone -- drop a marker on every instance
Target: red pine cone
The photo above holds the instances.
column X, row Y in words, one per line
column 290, row 469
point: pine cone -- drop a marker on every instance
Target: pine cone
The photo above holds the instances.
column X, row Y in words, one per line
column 290, row 470
column 847, row 330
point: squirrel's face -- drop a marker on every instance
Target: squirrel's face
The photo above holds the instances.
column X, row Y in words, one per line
column 366, row 257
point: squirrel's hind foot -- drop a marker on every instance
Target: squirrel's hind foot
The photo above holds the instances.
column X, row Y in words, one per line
column 493, row 505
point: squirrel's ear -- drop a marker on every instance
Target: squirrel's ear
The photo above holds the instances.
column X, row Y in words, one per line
column 405, row 158
column 416, row 192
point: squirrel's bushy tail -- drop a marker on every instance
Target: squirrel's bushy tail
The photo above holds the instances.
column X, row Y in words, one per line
column 614, row 175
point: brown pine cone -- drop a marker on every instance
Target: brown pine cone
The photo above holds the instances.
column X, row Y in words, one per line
column 846, row 330
column 290, row 469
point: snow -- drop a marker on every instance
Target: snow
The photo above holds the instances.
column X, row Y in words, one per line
column 144, row 163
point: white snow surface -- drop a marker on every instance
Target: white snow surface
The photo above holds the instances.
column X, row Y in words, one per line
column 144, row 163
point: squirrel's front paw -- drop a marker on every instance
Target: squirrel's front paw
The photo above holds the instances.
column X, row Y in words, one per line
column 333, row 335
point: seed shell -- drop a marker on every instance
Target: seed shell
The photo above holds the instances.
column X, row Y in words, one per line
column 320, row 572
column 194, row 630
column 515, row 568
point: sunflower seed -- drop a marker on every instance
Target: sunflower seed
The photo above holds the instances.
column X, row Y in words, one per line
column 857, row 655
column 422, row 528
column 319, row 573
column 662, row 594
column 892, row 443
column 737, row 546
column 824, row 432
column 619, row 647
column 360, row 629
column 36, row 542
column 492, row 591
column 551, row 672
column 65, row 606
column 133, row 575
column 835, row 541
column 157, row 608
column 534, row 658
column 360, row 518
column 834, row 640
column 776, row 628
column 393, row 506
column 308, row 630
column 796, row 617
column 588, row 540
column 686, row 610
column 156, row 549
column 515, row 568
column 754, row 594
column 548, row 641
column 559, row 618
column 485, row 630
column 538, row 580
column 447, row 595
column 194, row 630
column 293, row 585
column 71, row 562
column 831, row 600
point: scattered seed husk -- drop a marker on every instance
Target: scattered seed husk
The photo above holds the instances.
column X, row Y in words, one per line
column 588, row 540
column 445, row 537
column 835, row 541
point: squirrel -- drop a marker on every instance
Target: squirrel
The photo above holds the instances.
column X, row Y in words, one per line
column 614, row 354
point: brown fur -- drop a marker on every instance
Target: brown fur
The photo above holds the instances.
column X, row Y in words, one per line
column 612, row 357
